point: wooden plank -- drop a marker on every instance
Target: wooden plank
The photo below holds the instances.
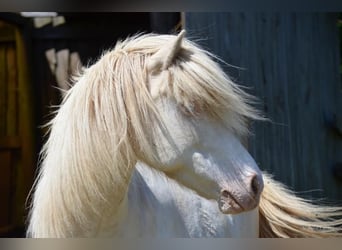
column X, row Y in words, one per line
column 164, row 22
column 6, row 32
column 26, row 164
column 10, row 142
column 12, row 98
column 5, row 187
column 3, row 88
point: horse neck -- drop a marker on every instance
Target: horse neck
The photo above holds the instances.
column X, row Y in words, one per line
column 169, row 209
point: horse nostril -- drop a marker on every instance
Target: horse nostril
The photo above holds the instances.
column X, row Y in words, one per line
column 255, row 185
column 225, row 193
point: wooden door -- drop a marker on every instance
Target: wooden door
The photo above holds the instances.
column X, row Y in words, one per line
column 9, row 140
column 17, row 154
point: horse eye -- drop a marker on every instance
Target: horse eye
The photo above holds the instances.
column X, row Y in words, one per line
column 191, row 110
column 185, row 110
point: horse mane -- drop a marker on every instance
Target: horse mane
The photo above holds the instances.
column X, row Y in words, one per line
column 285, row 215
column 196, row 82
column 103, row 126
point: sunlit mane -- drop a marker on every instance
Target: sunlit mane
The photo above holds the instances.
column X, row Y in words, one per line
column 194, row 80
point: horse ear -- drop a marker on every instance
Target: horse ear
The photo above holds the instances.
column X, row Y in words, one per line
column 164, row 57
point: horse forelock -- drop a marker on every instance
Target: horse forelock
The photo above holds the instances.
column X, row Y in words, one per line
column 194, row 80
column 116, row 90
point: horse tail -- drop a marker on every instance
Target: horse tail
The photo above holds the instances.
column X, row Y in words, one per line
column 285, row 215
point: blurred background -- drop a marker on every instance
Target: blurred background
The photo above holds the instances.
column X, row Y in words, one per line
column 290, row 61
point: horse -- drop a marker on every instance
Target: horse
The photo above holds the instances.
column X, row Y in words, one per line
column 147, row 143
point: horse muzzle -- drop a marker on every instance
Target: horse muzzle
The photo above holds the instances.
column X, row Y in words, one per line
column 242, row 199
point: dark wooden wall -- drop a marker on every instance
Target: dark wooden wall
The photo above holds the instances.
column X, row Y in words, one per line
column 291, row 62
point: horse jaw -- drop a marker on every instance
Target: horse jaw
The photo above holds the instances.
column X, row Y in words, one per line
column 169, row 209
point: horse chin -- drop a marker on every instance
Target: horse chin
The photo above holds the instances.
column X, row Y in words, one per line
column 231, row 205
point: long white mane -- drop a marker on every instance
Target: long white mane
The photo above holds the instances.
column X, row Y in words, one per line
column 283, row 214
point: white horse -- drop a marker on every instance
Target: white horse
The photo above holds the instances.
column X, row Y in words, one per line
column 147, row 143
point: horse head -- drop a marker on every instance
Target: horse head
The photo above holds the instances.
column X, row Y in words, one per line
column 196, row 133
